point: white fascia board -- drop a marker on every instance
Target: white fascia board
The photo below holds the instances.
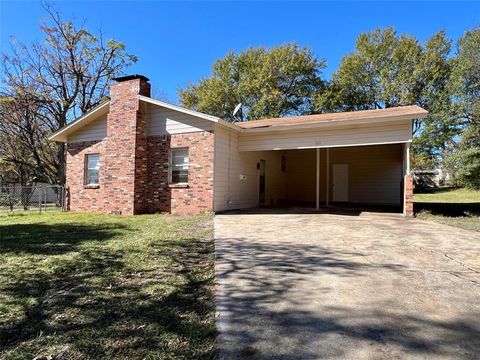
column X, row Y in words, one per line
column 230, row 125
column 333, row 146
column 178, row 108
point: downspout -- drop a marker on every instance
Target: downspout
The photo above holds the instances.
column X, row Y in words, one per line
column 317, row 184
column 228, row 167
column 327, row 197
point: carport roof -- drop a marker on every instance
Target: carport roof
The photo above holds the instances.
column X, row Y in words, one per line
column 393, row 113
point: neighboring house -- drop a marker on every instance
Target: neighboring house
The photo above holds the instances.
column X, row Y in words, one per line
column 425, row 179
column 134, row 154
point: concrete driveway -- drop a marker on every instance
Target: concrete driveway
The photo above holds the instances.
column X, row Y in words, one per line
column 373, row 286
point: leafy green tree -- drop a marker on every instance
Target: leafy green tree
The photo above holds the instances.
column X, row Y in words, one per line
column 49, row 83
column 268, row 82
column 434, row 133
column 381, row 72
column 464, row 160
column 387, row 69
column 466, row 77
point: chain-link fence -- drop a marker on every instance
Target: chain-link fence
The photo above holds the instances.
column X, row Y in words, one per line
column 32, row 198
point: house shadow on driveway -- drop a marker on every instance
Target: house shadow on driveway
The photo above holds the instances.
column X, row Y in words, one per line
column 303, row 299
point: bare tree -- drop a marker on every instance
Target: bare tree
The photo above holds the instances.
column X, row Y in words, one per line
column 50, row 83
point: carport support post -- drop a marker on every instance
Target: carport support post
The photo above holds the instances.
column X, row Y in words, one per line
column 407, row 184
column 327, row 195
column 318, row 181
column 407, row 159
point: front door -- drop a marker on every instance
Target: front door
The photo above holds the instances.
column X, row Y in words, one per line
column 340, row 182
column 261, row 188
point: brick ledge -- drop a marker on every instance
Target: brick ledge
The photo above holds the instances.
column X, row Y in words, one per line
column 91, row 186
column 178, row 186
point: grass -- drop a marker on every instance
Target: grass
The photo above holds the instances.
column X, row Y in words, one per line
column 85, row 286
column 455, row 207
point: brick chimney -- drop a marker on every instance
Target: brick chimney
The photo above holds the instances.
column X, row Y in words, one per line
column 125, row 158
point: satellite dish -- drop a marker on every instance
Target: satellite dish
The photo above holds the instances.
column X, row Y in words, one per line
column 237, row 109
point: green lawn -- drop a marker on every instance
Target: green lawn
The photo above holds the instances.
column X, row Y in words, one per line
column 83, row 286
column 456, row 207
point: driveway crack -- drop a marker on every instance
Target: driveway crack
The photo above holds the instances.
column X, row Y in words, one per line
column 446, row 256
column 461, row 263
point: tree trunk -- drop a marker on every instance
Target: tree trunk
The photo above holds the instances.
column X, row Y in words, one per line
column 23, row 191
column 61, row 164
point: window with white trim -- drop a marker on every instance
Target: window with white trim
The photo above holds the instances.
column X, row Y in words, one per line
column 179, row 163
column 92, row 169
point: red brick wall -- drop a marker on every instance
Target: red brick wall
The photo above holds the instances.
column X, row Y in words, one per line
column 178, row 199
column 408, row 195
column 158, row 192
column 160, row 196
column 79, row 196
column 125, row 159
column 134, row 169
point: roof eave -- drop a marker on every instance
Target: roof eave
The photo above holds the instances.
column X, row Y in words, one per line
column 61, row 135
column 286, row 127
column 190, row 112
column 178, row 108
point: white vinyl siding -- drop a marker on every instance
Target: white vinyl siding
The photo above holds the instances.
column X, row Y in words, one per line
column 301, row 175
column 374, row 173
column 379, row 133
column 160, row 121
column 229, row 191
column 163, row 121
column 241, row 194
column 96, row 130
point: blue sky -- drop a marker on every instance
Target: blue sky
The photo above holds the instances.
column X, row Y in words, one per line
column 177, row 42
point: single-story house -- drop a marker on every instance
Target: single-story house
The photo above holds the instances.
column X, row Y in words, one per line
column 134, row 154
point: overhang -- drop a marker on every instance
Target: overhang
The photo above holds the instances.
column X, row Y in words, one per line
column 103, row 109
column 338, row 118
column 306, row 123
column 356, row 128
column 62, row 134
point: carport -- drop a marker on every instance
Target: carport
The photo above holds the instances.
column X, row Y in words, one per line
column 358, row 175
column 347, row 159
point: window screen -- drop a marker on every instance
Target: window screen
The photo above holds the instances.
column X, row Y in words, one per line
column 179, row 166
column 92, row 168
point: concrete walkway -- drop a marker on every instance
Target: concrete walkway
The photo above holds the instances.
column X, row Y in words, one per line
column 321, row 286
